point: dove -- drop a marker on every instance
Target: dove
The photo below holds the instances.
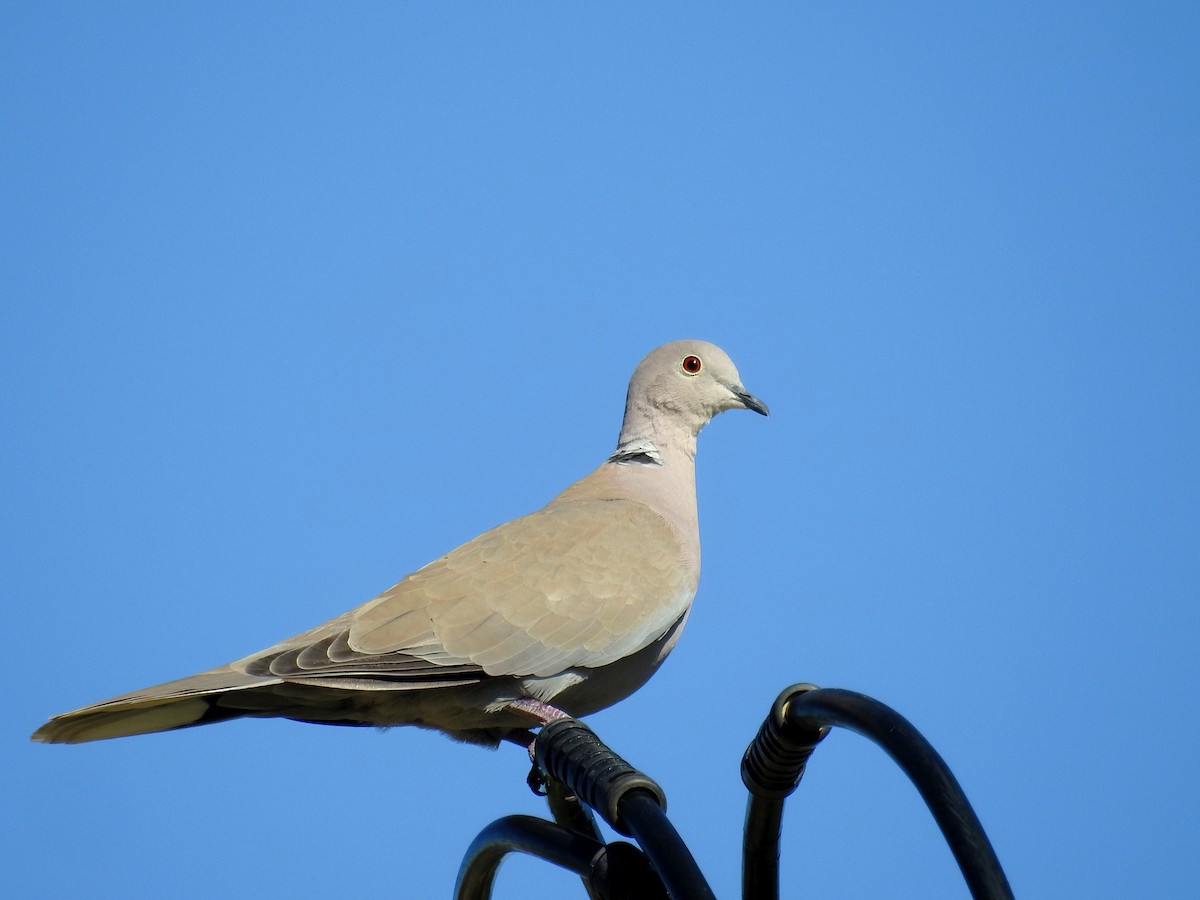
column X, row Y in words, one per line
column 561, row 612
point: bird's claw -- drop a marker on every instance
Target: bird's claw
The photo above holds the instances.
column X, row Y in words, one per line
column 536, row 781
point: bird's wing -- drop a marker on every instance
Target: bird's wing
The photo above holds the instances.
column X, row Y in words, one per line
column 579, row 584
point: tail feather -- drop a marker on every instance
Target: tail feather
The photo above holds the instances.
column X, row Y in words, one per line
column 176, row 704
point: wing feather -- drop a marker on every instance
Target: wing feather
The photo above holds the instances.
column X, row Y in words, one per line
column 581, row 584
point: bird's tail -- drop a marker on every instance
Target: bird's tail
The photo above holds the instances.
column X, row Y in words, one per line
column 199, row 699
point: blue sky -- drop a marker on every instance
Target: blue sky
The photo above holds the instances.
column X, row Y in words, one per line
column 300, row 296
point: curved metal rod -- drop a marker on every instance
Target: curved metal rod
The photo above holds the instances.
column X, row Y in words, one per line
column 669, row 855
column 771, row 770
column 628, row 800
column 569, row 812
column 802, row 713
column 525, row 834
column 760, row 848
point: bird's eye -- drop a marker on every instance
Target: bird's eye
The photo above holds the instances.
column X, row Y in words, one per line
column 692, row 365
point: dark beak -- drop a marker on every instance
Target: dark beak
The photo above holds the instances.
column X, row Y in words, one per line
column 749, row 401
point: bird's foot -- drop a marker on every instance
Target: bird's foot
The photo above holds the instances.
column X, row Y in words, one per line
column 544, row 713
column 523, row 737
column 536, row 780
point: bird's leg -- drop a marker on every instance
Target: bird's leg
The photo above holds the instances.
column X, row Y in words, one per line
column 539, row 709
column 544, row 713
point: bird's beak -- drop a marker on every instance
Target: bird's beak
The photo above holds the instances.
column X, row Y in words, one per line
column 749, row 401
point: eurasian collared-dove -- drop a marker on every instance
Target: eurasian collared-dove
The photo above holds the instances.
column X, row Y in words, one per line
column 566, row 610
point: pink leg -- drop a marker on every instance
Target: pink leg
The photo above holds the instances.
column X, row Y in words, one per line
column 543, row 712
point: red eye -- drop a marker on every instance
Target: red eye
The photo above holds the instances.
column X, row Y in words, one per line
column 692, row 365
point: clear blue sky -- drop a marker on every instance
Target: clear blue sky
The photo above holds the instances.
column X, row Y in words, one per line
column 299, row 296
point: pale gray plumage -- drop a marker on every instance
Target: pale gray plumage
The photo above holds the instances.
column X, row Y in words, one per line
column 575, row 605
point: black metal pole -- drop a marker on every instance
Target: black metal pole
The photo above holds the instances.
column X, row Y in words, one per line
column 627, row 799
column 669, row 855
column 525, row 834
column 799, row 714
column 771, row 769
column 583, row 770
